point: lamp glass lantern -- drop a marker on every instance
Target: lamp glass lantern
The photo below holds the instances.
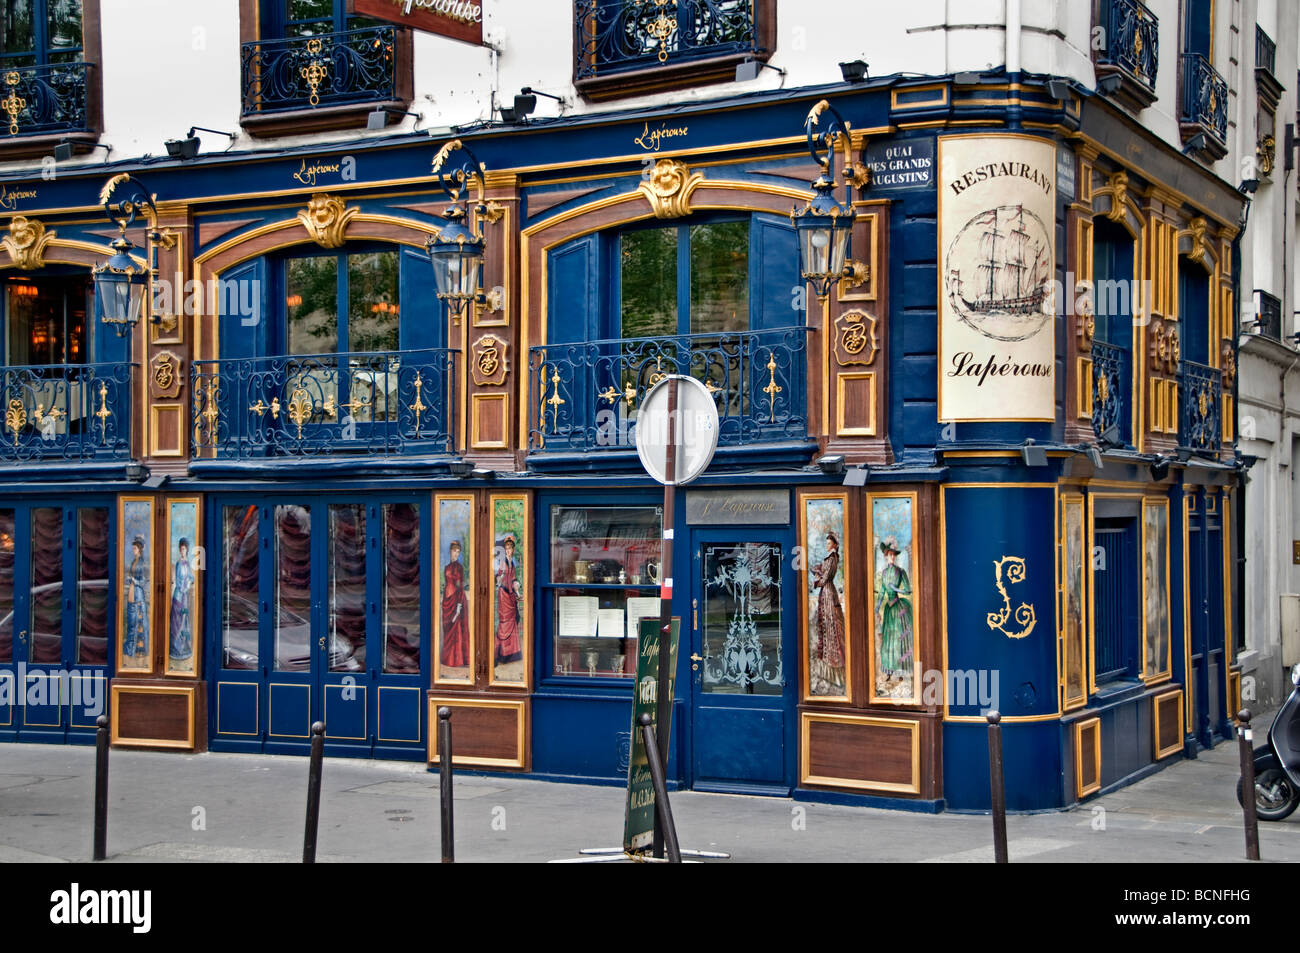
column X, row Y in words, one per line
column 121, row 284
column 457, row 257
column 823, row 228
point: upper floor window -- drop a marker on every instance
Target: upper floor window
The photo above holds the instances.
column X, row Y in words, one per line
column 45, row 79
column 1203, row 112
column 628, row 47
column 37, row 32
column 312, row 56
column 45, row 321
column 1112, row 345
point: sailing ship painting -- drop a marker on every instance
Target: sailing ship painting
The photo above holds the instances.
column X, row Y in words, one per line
column 999, row 271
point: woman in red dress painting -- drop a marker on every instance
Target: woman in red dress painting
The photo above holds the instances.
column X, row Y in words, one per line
column 508, row 591
column 455, row 611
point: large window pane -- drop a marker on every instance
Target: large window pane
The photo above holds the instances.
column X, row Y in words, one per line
column 92, row 587
column 742, row 619
column 347, row 605
column 239, row 588
column 312, row 297
column 372, row 302
column 719, row 277
column 47, row 323
column 63, row 18
column 17, row 31
column 47, row 586
column 292, row 588
column 604, row 579
column 401, row 582
column 648, row 261
column 6, row 585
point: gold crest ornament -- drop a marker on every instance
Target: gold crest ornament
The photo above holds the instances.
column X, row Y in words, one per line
column 26, row 242
column 326, row 219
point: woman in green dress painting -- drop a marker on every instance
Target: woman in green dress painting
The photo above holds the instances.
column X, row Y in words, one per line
column 893, row 621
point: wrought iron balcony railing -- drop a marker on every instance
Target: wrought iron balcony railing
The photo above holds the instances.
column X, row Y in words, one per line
column 615, row 36
column 1270, row 316
column 330, row 69
column 1111, row 387
column 1131, row 40
column 1202, row 400
column 1205, row 97
column 585, row 396
column 71, row 412
column 377, row 402
column 1265, row 51
column 45, row 99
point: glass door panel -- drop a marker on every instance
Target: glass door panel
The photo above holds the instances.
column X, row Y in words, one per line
column 292, row 605
column 46, row 639
column 401, row 589
column 239, row 626
column 347, row 595
column 741, row 619
column 6, row 586
column 93, row 619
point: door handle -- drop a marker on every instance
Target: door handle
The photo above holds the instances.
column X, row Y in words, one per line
column 696, row 658
column 321, row 642
column 22, row 636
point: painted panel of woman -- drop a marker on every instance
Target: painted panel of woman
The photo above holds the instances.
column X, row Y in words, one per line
column 894, row 614
column 508, row 594
column 181, row 617
column 455, row 611
column 135, row 641
column 829, row 651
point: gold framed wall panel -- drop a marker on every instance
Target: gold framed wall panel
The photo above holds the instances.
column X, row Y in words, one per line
column 518, row 707
column 1090, row 726
column 524, row 549
column 1069, row 500
column 842, row 428
column 805, row 600
column 480, row 405
column 196, row 595
column 187, row 691
column 1083, row 388
column 257, row 709
column 81, row 693
column 1165, row 672
column 1159, row 713
column 916, row 572
column 463, row 538
column 379, row 717
column 912, row 726
column 157, row 412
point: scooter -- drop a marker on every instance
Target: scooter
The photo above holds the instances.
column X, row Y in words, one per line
column 1277, row 762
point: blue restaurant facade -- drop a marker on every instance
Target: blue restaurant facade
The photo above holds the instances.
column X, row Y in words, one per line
column 302, row 488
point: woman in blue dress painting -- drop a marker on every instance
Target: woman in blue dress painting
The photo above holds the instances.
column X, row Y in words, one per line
column 181, row 627
column 135, row 641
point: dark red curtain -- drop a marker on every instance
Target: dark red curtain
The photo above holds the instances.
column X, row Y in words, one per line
column 92, row 587
column 401, row 589
column 47, row 586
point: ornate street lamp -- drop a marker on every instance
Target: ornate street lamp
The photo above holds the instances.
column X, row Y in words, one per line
column 456, row 249
column 824, row 225
column 122, row 283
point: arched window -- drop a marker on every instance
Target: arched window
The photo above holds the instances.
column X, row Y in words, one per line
column 1112, row 347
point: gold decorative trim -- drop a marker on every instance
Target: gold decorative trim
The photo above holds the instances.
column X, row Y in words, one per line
column 475, row 438
column 379, row 718
column 668, row 188
column 26, row 242
column 1177, row 746
column 1024, row 613
column 841, row 430
column 156, row 413
column 326, row 219
column 521, row 728
column 189, row 692
column 257, row 709
column 1093, row 725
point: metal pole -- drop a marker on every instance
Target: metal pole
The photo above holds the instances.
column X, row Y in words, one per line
column 997, row 789
column 1248, row 784
column 663, row 810
column 313, row 793
column 444, row 785
column 100, row 849
column 664, row 701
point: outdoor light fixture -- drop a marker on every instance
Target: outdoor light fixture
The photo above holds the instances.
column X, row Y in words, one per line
column 856, row 476
column 188, row 147
column 854, row 71
column 483, row 473
column 461, row 468
column 1248, row 186
column 1160, row 467
column 122, row 282
column 1058, row 89
column 455, row 250
column 831, row 465
column 749, row 68
column 526, row 103
column 966, row 78
column 1184, row 454
column 824, row 225
column 63, row 151
column 378, row 119
column 1093, row 453
column 508, row 114
column 1195, row 144
column 1108, row 85
column 1109, row 438
column 1032, row 454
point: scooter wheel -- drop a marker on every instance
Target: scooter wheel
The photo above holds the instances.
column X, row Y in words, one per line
column 1275, row 796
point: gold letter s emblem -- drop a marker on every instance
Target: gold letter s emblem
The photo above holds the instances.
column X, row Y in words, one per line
column 1011, row 569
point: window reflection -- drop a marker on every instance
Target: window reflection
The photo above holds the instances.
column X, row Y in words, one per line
column 92, row 586
column 6, row 585
column 401, row 582
column 347, row 598
column 239, row 621
column 292, row 588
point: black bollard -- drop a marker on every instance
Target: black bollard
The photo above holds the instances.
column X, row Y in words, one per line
column 997, row 789
column 313, row 793
column 100, row 849
column 662, row 807
column 444, row 785
column 1248, row 784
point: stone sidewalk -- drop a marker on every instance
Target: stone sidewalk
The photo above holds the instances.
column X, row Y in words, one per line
column 249, row 808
